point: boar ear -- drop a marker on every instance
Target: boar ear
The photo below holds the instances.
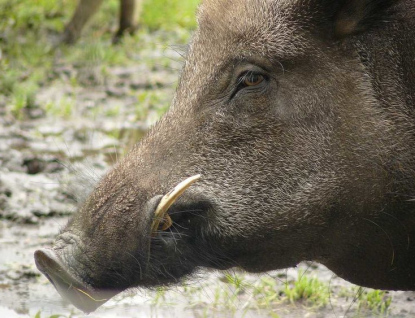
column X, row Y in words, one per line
column 355, row 16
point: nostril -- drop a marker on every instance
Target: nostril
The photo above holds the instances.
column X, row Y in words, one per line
column 46, row 262
column 67, row 285
column 49, row 263
column 45, row 259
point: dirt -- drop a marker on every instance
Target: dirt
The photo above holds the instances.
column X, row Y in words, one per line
column 49, row 163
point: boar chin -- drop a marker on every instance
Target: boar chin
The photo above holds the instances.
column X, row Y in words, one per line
column 68, row 286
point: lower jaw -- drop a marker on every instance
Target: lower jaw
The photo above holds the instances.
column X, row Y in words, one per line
column 261, row 264
column 81, row 297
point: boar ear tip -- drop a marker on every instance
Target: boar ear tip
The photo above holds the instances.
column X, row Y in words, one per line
column 356, row 16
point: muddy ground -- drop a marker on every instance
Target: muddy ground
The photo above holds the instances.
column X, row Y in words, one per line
column 50, row 161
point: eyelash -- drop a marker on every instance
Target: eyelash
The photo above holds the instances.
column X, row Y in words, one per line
column 241, row 81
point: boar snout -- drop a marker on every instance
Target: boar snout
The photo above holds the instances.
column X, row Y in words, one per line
column 68, row 286
column 73, row 271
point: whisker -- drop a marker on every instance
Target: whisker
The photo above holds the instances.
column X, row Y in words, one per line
column 387, row 235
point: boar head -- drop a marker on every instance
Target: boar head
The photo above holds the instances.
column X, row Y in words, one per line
column 297, row 116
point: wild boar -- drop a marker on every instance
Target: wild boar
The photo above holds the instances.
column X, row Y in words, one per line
column 296, row 119
column 129, row 12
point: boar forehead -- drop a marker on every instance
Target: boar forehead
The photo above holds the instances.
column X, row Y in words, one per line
column 251, row 30
column 270, row 28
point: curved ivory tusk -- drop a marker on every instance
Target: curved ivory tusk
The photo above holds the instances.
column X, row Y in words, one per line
column 167, row 201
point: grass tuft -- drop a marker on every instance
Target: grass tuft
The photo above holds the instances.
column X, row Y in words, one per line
column 376, row 301
column 309, row 290
column 176, row 13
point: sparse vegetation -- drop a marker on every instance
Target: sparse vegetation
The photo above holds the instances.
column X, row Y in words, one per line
column 376, row 301
column 62, row 108
column 308, row 290
column 154, row 103
column 39, row 315
column 266, row 292
column 176, row 13
column 23, row 96
column 29, row 54
column 236, row 294
column 159, row 297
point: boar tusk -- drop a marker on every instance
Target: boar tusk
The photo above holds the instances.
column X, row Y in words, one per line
column 167, row 201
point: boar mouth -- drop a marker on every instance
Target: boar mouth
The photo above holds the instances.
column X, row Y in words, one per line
column 69, row 287
column 84, row 296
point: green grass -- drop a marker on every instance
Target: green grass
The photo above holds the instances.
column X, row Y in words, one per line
column 39, row 315
column 22, row 15
column 237, row 281
column 267, row 293
column 226, row 296
column 308, row 290
column 159, row 297
column 369, row 301
column 376, row 301
column 176, row 13
column 23, row 96
column 152, row 100
column 29, row 32
column 62, row 108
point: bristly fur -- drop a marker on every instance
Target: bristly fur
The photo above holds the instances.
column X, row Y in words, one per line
column 314, row 162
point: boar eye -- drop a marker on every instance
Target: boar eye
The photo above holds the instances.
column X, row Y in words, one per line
column 249, row 79
column 253, row 79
